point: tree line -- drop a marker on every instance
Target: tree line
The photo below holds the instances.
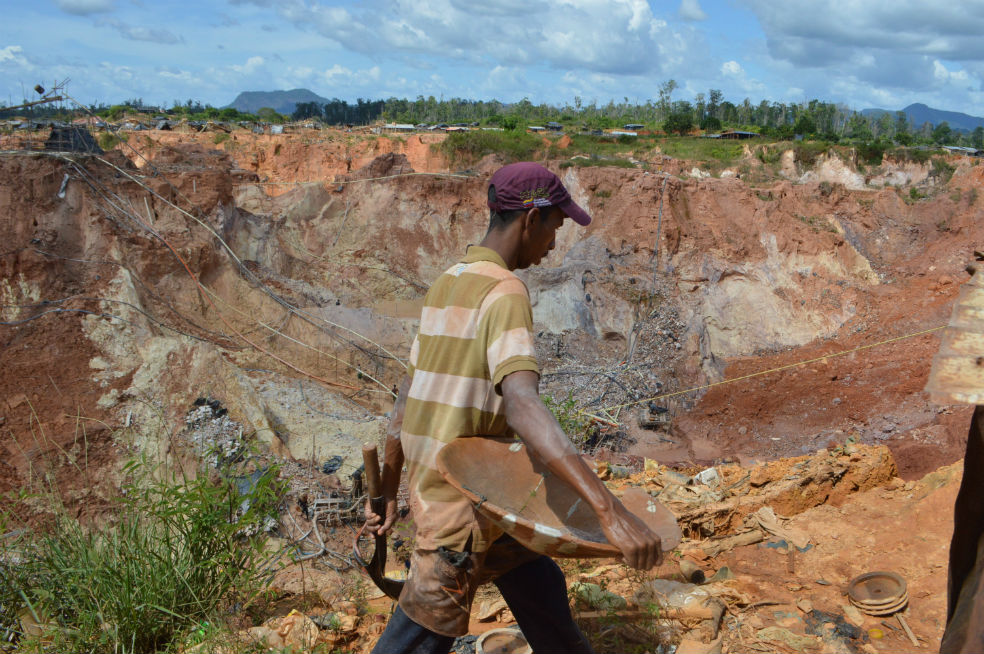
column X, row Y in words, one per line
column 709, row 112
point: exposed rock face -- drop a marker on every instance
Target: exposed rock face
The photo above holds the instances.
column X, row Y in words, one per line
column 581, row 294
column 831, row 169
column 677, row 277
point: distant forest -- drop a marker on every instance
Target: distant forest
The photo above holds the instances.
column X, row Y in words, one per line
column 707, row 111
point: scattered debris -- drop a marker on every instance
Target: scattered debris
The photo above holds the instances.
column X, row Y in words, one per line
column 215, row 436
column 593, row 596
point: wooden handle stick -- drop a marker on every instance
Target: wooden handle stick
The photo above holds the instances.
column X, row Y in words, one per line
column 373, row 483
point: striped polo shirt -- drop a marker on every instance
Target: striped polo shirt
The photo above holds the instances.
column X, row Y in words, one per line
column 476, row 327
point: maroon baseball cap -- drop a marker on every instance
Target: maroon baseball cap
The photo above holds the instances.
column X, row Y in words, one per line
column 526, row 185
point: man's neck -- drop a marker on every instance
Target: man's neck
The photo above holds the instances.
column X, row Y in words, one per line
column 503, row 243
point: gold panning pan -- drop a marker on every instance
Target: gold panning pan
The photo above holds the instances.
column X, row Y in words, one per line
column 533, row 506
column 878, row 604
column 878, row 593
column 883, row 610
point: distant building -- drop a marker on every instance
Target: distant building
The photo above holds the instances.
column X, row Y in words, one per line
column 555, row 126
column 959, row 149
column 633, row 126
column 738, row 134
column 399, row 127
column 536, row 128
column 618, row 132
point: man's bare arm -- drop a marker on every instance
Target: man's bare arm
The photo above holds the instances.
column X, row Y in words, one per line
column 392, row 466
column 540, row 431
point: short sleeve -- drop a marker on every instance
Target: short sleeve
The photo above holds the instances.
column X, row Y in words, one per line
column 414, row 354
column 506, row 323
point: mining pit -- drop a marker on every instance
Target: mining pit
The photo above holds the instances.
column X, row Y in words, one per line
column 176, row 297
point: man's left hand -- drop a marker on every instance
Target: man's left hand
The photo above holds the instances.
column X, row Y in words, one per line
column 380, row 525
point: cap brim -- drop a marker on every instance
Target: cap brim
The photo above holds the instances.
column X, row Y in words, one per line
column 574, row 212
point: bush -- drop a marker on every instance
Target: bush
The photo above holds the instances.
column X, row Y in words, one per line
column 710, row 124
column 769, row 155
column 807, row 153
column 872, row 152
column 805, row 125
column 941, row 170
column 220, row 138
column 178, row 550
column 108, row 141
column 908, row 154
column 678, row 123
column 575, row 424
column 469, row 147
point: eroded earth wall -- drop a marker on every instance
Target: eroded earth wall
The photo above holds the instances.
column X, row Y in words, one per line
column 130, row 291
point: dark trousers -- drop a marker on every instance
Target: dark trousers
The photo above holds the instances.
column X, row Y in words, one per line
column 965, row 600
column 536, row 593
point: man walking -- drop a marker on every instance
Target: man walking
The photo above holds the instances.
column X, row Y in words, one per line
column 473, row 371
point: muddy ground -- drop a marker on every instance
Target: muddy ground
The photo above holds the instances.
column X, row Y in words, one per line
column 282, row 276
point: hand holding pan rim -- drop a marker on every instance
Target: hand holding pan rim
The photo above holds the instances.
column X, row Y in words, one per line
column 519, row 494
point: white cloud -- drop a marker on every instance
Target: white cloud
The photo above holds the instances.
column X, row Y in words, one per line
column 738, row 79
column 504, row 77
column 184, row 76
column 118, row 73
column 137, row 33
column 893, row 52
column 690, row 10
column 613, row 36
column 11, row 53
column 251, row 66
column 336, row 73
column 813, row 32
column 85, row 7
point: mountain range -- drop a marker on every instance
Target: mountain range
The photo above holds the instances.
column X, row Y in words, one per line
column 283, row 102
column 919, row 113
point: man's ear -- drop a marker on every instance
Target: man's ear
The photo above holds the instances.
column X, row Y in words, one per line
column 530, row 218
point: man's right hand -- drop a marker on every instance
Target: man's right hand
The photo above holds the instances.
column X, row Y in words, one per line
column 377, row 524
column 641, row 547
column 526, row 414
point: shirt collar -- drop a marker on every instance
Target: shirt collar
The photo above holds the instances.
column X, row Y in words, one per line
column 479, row 253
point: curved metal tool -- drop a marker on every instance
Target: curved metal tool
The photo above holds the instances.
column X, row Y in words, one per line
column 376, row 567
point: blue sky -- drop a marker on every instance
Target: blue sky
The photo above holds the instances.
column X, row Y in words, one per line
column 863, row 53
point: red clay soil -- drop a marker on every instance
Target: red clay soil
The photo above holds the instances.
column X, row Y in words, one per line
column 917, row 250
column 904, row 529
column 54, row 435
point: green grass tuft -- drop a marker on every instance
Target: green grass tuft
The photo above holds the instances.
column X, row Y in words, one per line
column 700, row 150
column 178, row 551
column 466, row 148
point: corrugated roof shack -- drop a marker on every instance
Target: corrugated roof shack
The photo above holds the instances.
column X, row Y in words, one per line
column 959, row 149
column 396, row 128
column 737, row 134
